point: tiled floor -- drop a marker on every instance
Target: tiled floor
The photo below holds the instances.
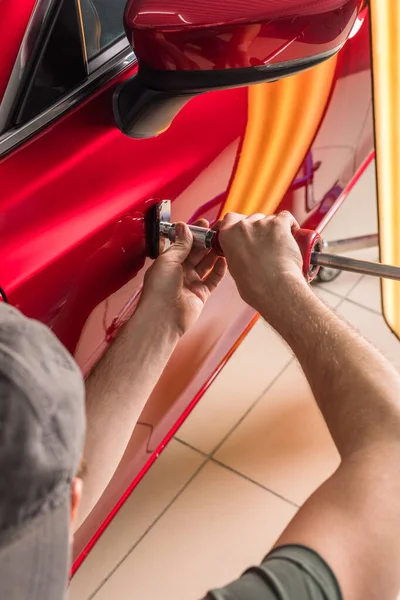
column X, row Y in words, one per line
column 250, row 453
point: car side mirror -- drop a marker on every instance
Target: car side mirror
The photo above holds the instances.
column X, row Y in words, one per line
column 186, row 47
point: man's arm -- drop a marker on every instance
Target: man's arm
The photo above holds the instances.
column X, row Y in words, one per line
column 353, row 519
column 175, row 290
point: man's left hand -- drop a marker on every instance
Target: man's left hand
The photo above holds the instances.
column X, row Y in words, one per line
column 180, row 281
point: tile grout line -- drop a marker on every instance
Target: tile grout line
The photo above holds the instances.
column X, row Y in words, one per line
column 367, row 308
column 161, row 514
column 324, row 289
column 211, row 455
column 178, row 439
column 353, row 287
column 351, row 301
column 228, row 468
column 250, row 408
column 257, row 483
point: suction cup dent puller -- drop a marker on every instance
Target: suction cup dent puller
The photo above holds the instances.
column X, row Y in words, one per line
column 160, row 231
column 202, row 237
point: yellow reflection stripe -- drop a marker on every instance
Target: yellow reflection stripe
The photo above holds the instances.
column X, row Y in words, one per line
column 78, row 5
column 283, row 118
column 385, row 29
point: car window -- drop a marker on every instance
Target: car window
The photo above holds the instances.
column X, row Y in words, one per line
column 70, row 48
column 50, row 63
column 102, row 23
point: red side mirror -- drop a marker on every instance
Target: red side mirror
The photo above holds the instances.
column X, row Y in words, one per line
column 187, row 47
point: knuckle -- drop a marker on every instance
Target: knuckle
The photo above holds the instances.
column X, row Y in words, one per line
column 242, row 225
column 230, row 217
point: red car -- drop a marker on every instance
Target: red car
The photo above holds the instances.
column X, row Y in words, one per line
column 92, row 135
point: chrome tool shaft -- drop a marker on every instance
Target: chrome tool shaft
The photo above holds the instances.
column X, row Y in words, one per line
column 333, row 261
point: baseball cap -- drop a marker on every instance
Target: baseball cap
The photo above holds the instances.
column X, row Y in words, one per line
column 42, row 428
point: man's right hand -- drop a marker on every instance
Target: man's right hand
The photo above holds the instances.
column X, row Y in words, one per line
column 263, row 258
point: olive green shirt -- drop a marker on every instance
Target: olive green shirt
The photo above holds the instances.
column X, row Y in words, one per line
column 287, row 573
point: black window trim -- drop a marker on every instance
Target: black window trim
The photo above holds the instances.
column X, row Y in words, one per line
column 107, row 54
column 107, row 65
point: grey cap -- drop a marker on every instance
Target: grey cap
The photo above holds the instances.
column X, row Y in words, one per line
column 42, row 428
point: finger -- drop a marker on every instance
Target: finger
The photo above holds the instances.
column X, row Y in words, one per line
column 197, row 254
column 255, row 217
column 217, row 274
column 231, row 219
column 206, row 264
column 217, row 225
column 287, row 219
column 180, row 250
column 201, row 223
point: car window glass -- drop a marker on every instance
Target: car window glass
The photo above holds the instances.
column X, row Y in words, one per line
column 54, row 65
column 103, row 24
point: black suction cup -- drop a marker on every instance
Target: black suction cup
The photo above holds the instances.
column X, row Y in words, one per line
column 155, row 214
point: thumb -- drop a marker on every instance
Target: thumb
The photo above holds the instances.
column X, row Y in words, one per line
column 180, row 249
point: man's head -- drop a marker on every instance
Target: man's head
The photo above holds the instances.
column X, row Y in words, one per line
column 42, row 427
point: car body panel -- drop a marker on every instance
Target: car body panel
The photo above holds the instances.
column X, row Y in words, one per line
column 74, row 195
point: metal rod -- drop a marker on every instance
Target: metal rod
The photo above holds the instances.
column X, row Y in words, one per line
column 356, row 243
column 355, row 266
column 202, row 237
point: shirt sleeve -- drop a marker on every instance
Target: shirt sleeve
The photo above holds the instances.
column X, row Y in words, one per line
column 287, row 573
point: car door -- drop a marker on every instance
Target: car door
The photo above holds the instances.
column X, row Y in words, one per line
column 74, row 191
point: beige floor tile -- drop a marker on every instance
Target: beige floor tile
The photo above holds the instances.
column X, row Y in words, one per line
column 283, row 443
column 167, row 476
column 374, row 328
column 342, row 285
column 254, row 365
column 368, row 293
column 371, row 254
column 218, row 526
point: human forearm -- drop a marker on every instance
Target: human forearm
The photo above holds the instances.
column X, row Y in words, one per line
column 117, row 390
column 353, row 519
column 175, row 290
column 356, row 388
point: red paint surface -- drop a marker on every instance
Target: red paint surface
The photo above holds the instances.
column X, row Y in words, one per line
column 71, row 207
column 232, row 43
column 307, row 240
column 178, row 13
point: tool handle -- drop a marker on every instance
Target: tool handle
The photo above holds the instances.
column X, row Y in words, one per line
column 308, row 241
column 216, row 246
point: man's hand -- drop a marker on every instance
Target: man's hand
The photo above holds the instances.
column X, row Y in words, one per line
column 181, row 279
column 263, row 258
column 175, row 289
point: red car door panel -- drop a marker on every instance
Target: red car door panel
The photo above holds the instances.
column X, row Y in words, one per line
column 67, row 207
